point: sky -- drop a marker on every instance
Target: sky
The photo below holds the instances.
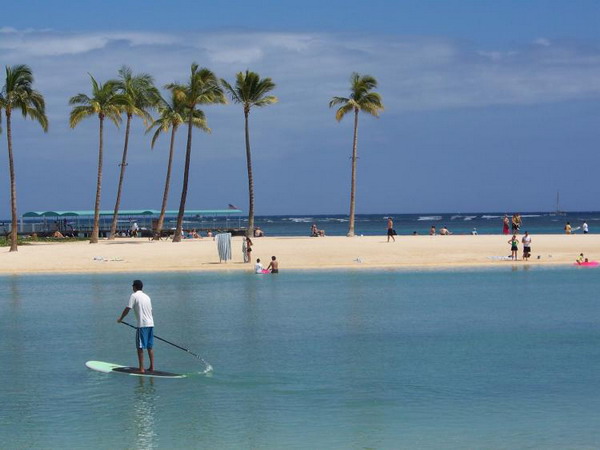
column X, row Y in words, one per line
column 489, row 106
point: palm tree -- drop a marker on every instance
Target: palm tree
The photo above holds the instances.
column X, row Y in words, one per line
column 139, row 94
column 203, row 88
column 250, row 91
column 171, row 115
column 361, row 99
column 105, row 103
column 18, row 94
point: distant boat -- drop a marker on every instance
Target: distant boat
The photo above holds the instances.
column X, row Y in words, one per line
column 558, row 211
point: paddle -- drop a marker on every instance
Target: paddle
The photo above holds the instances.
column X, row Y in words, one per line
column 208, row 366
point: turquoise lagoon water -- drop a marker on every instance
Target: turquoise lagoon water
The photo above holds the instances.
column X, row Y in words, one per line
column 506, row 358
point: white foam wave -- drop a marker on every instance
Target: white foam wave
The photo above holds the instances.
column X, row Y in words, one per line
column 485, row 216
column 421, row 218
column 469, row 217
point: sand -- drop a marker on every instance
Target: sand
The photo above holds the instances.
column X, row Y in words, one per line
column 133, row 255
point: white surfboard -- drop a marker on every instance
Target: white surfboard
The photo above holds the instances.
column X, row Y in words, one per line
column 106, row 367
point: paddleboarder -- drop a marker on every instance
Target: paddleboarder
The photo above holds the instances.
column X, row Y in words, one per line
column 144, row 336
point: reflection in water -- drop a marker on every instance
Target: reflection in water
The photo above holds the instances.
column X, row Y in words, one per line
column 15, row 294
column 144, row 408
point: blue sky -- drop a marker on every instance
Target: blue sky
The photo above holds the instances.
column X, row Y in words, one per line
column 490, row 106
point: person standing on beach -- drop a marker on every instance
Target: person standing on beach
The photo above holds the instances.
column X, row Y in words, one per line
column 514, row 247
column 273, row 265
column 516, row 223
column 505, row 223
column 390, row 230
column 585, row 228
column 144, row 336
column 247, row 249
column 526, row 246
column 568, row 229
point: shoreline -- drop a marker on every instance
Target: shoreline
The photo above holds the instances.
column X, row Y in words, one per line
column 131, row 255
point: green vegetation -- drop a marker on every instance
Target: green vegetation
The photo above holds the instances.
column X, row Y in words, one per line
column 361, row 99
column 250, row 90
column 172, row 114
column 139, row 95
column 104, row 102
column 203, row 88
column 135, row 95
column 18, row 94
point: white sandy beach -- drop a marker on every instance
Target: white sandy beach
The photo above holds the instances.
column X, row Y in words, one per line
column 142, row 255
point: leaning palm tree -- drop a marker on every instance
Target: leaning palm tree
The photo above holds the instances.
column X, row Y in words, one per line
column 250, row 90
column 203, row 88
column 171, row 115
column 361, row 99
column 105, row 103
column 139, row 94
column 18, row 94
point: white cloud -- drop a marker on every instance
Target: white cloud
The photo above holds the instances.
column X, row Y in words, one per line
column 309, row 68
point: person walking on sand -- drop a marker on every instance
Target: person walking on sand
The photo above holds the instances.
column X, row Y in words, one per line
column 144, row 336
column 273, row 265
column 526, row 241
column 390, row 230
column 514, row 247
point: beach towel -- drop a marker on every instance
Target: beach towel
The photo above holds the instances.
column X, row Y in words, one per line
column 224, row 246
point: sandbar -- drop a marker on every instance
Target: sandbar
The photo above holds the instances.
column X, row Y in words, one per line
column 133, row 255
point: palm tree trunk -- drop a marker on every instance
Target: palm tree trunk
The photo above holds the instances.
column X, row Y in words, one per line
column 13, row 186
column 186, row 172
column 113, row 226
column 163, row 209
column 250, row 231
column 96, row 227
column 353, row 186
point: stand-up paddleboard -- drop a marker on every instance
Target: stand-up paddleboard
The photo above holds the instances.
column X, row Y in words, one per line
column 105, row 367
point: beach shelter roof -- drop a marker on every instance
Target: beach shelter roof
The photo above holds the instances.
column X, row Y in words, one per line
column 134, row 212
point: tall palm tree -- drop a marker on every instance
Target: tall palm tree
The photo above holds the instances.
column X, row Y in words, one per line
column 250, row 90
column 361, row 99
column 139, row 94
column 171, row 115
column 203, row 89
column 18, row 94
column 105, row 103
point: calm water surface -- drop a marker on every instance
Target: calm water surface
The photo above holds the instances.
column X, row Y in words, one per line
column 371, row 359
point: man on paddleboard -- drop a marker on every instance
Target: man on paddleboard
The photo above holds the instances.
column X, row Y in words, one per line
column 144, row 337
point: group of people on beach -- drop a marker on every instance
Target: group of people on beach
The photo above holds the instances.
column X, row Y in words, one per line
column 514, row 224
column 273, row 266
column 514, row 246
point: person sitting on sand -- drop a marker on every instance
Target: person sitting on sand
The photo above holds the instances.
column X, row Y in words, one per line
column 57, row 234
column 432, row 230
column 474, row 232
column 258, row 232
column 209, row 234
column 580, row 259
column 258, row 267
column 273, row 265
column 444, row 231
column 315, row 232
column 195, row 235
